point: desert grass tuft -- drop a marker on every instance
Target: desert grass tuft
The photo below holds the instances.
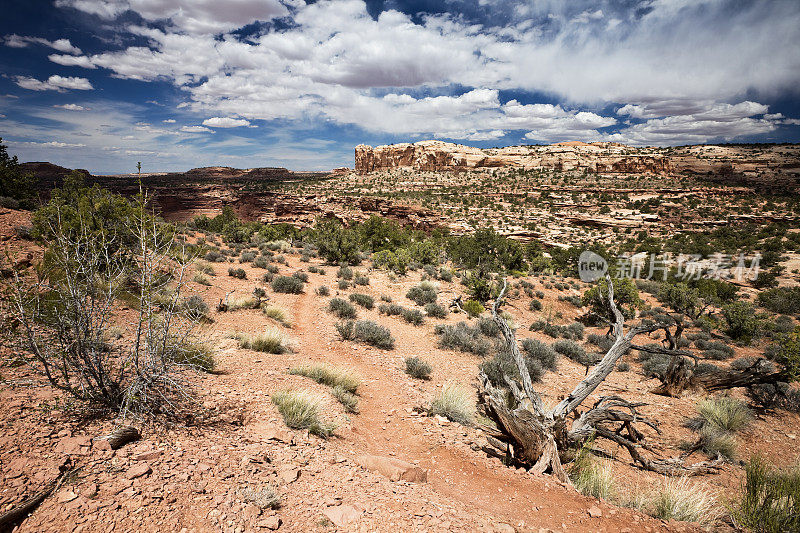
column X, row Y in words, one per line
column 301, row 410
column 270, row 341
column 679, row 499
column 724, row 413
column 454, row 402
column 329, row 375
column 418, row 368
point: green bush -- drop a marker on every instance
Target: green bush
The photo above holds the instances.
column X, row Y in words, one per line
column 322, row 290
column 287, row 285
column 364, row 300
column 302, row 276
column 370, row 333
column 463, row 338
column 435, row 310
column 770, row 499
column 781, row 300
column 238, row 273
column 741, row 320
column 473, row 308
column 574, row 351
column 541, row 352
column 423, row 293
column 418, row 368
column 341, row 308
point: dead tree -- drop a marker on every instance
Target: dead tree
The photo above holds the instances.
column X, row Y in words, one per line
column 538, row 436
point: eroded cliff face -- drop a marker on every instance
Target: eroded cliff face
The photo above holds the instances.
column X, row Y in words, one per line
column 441, row 156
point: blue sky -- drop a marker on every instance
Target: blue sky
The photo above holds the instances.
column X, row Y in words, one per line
column 176, row 84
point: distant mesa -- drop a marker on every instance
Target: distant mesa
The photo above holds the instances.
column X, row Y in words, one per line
column 770, row 166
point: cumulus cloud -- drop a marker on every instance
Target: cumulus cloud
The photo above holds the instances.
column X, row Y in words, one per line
column 62, row 45
column 196, row 129
column 71, row 107
column 54, row 83
column 224, row 122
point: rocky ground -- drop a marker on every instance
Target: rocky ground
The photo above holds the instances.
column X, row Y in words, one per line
column 214, row 474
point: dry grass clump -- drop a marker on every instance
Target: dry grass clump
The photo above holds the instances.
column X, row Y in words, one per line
column 301, row 410
column 593, row 478
column 678, row 499
column 276, row 313
column 770, row 498
column 270, row 341
column 724, row 413
column 454, row 402
column 265, row 498
column 202, row 279
column 348, row 400
column 196, row 355
column 242, row 302
column 329, row 375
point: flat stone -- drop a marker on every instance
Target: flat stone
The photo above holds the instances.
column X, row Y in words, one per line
column 138, row 471
column 270, row 522
column 595, row 512
column 342, row 514
column 66, row 496
column 289, row 475
column 394, row 469
column 149, row 456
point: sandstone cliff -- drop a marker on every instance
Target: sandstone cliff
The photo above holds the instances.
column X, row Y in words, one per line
column 438, row 156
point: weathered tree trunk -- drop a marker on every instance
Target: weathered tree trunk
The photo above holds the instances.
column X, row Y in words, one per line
column 537, row 436
column 122, row 436
column 680, row 376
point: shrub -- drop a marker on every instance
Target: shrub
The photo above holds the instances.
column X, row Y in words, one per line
column 724, row 413
column 770, row 499
column 202, row 279
column 435, row 310
column 204, row 267
column 473, row 308
column 195, row 307
column 654, row 365
column 717, row 351
column 574, row 331
column 360, row 279
column 302, row 276
column 463, row 338
column 412, row 316
column 373, row 334
column 364, row 300
column 322, row 290
column 716, row 443
column 247, row 257
column 603, row 342
column 503, row 364
column 574, row 351
column 269, row 341
column 678, row 499
column 541, row 352
column 535, row 305
column 424, row 293
column 287, row 285
column 329, row 375
column 343, row 285
column 301, row 410
column 214, row 256
column 344, row 272
column 455, row 403
column 741, row 320
column 272, row 269
column 238, row 273
column 346, row 329
column 260, row 262
column 418, row 368
column 341, row 308
column 781, row 300
column 488, row 327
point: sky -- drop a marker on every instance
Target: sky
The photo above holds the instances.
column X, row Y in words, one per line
column 178, row 84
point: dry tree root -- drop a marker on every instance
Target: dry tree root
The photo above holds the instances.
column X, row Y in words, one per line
column 122, row 436
column 17, row 514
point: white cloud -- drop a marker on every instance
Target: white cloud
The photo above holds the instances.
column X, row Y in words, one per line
column 71, row 107
column 225, row 122
column 71, row 61
column 48, row 144
column 54, row 83
column 196, row 129
column 62, row 45
column 169, row 121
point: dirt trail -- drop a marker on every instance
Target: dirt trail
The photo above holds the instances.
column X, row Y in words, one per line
column 385, row 425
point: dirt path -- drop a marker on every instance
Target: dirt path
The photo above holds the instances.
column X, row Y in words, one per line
column 386, row 425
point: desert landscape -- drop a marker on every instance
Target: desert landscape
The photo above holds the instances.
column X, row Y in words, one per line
column 368, row 296
column 400, row 266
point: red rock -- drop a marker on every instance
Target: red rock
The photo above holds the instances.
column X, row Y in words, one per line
column 342, row 514
column 270, row 522
column 138, row 471
column 289, row 475
column 149, row 456
column 66, row 496
column 595, row 512
column 394, row 469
